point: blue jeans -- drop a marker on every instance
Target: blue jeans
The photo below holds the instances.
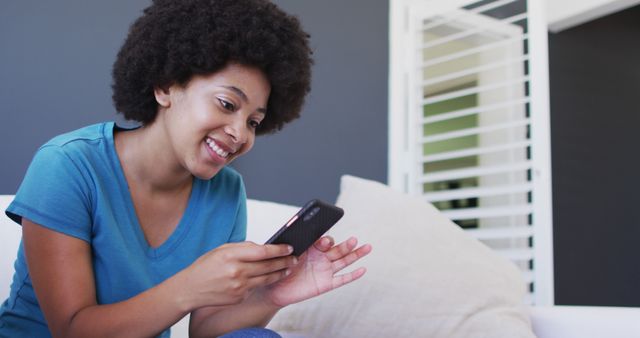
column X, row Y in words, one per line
column 254, row 332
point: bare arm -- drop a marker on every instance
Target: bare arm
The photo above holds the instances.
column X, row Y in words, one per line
column 62, row 274
column 315, row 274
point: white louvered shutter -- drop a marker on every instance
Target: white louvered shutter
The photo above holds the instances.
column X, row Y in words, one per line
column 469, row 123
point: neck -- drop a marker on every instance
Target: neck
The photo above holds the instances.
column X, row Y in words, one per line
column 148, row 159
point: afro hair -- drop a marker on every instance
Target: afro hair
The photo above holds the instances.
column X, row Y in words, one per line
column 175, row 40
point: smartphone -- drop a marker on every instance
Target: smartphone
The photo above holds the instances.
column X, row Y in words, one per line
column 307, row 226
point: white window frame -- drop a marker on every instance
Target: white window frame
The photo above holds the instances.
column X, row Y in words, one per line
column 400, row 159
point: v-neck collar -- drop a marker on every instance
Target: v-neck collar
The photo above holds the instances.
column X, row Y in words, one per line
column 178, row 233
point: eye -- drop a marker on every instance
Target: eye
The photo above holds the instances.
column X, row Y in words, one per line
column 227, row 105
column 254, row 124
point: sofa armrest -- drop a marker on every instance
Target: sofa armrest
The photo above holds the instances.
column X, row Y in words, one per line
column 585, row 321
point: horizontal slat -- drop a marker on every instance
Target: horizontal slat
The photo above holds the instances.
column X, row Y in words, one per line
column 516, row 254
column 476, row 90
column 447, row 175
column 463, row 193
column 474, row 131
column 474, row 152
column 471, row 51
column 517, row 18
column 474, row 70
column 478, row 9
column 487, row 212
column 470, row 32
column 522, row 231
column 474, row 110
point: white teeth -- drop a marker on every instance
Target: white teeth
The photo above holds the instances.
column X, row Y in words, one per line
column 217, row 149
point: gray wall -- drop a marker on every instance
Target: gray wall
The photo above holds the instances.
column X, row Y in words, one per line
column 595, row 119
column 55, row 64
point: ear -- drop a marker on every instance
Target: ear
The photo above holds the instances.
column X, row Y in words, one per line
column 162, row 96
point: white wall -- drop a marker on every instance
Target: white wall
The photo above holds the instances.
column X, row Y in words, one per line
column 564, row 14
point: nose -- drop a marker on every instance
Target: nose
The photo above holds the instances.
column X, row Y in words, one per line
column 236, row 132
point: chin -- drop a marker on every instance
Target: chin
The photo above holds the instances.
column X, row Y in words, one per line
column 206, row 174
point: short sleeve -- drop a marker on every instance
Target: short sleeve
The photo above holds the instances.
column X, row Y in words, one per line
column 54, row 194
column 239, row 232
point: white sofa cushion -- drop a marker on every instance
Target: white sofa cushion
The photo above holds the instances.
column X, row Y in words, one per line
column 10, row 235
column 426, row 277
column 585, row 321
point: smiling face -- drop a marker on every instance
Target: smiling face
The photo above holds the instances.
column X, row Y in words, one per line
column 212, row 120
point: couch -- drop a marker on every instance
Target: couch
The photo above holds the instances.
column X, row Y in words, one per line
column 413, row 305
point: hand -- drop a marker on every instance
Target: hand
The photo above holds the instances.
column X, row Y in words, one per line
column 228, row 274
column 315, row 273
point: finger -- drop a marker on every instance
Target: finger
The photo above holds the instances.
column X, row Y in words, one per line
column 342, row 249
column 347, row 278
column 251, row 252
column 351, row 258
column 324, row 243
column 269, row 278
column 265, row 267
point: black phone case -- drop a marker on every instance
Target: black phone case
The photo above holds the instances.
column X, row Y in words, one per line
column 306, row 226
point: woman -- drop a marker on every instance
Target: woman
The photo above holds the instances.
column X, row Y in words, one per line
column 126, row 231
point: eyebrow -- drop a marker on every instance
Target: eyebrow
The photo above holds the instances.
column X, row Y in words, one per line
column 244, row 97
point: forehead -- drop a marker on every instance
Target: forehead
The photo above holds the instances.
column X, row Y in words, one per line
column 248, row 82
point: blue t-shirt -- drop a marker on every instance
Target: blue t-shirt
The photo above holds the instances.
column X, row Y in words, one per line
column 75, row 185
